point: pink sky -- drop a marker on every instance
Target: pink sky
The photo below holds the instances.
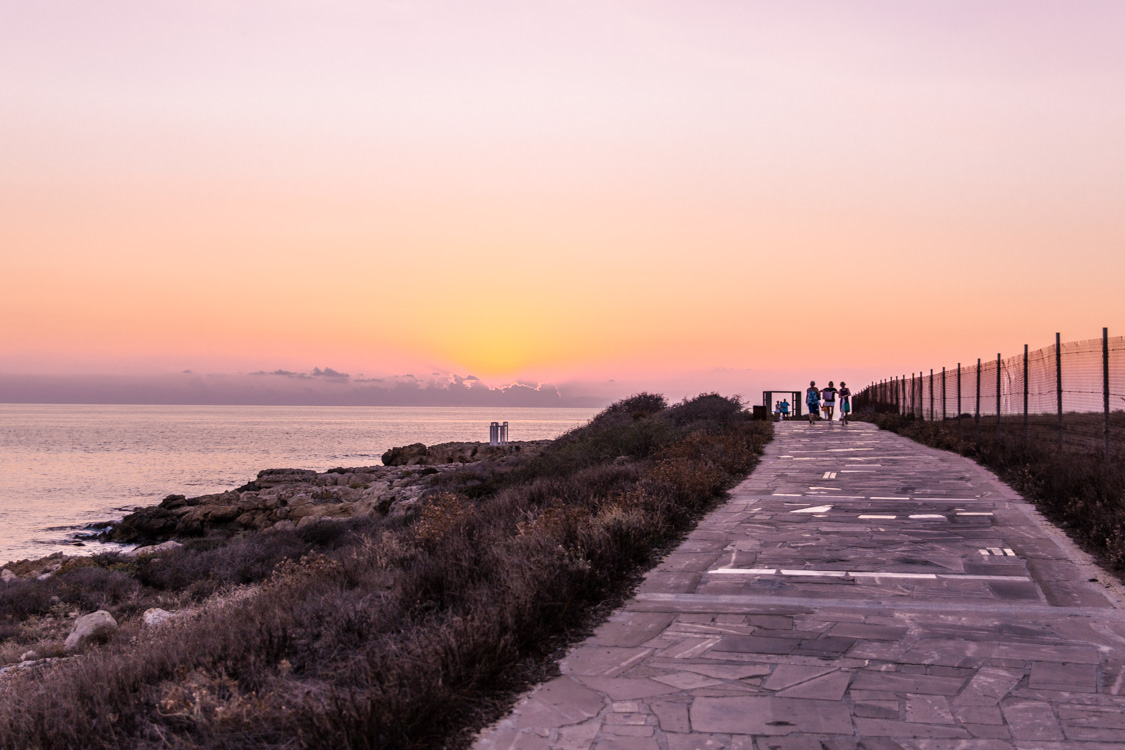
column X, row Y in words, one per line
column 678, row 196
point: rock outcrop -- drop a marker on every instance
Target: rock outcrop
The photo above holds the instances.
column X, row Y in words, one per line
column 281, row 499
column 418, row 454
column 95, row 627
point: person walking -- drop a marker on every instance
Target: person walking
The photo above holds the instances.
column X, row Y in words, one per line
column 777, row 410
column 812, row 398
column 828, row 397
column 785, row 409
column 845, row 402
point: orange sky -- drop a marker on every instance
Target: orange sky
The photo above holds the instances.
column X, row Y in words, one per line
column 556, row 191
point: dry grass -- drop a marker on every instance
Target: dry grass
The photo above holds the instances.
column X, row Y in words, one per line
column 386, row 634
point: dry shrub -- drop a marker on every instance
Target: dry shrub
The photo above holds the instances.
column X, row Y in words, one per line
column 398, row 634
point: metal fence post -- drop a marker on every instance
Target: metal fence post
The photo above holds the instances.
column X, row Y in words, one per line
column 1026, row 426
column 931, row 394
column 1058, row 381
column 1105, row 386
column 999, row 366
column 977, row 419
column 958, row 395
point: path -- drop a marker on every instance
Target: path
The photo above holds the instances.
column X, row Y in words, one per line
column 858, row 591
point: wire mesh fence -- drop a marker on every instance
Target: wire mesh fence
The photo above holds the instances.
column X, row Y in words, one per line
column 1071, row 394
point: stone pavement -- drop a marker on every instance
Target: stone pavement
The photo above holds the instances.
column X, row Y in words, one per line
column 857, row 591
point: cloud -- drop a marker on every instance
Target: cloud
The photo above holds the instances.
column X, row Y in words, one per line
column 320, row 387
column 328, row 372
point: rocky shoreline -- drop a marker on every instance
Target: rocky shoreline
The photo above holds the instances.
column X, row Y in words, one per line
column 275, row 501
column 281, row 499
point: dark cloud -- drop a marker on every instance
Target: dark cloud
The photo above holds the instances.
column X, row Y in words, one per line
column 328, row 372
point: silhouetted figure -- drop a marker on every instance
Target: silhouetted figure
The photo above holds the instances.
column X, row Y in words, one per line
column 845, row 402
column 812, row 398
column 785, row 409
column 828, row 398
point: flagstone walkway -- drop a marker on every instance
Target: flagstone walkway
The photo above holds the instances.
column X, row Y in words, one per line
column 857, row 591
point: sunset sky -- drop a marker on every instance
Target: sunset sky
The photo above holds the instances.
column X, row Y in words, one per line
column 673, row 195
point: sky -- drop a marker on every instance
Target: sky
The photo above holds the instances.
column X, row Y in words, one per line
column 580, row 198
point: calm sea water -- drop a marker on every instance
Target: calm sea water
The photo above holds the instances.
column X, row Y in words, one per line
column 64, row 466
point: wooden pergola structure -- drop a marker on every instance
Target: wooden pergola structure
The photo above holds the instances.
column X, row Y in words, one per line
column 795, row 401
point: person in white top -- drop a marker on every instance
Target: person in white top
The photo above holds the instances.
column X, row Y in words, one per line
column 828, row 399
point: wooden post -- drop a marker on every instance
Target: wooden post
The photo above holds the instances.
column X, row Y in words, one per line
column 1105, row 386
column 931, row 394
column 1026, row 427
column 1058, row 381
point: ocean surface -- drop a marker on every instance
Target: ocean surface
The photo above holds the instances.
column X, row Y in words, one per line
column 63, row 467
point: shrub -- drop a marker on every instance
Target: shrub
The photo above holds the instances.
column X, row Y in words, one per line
column 395, row 633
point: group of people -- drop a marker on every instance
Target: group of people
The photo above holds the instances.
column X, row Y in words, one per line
column 821, row 402
column 824, row 400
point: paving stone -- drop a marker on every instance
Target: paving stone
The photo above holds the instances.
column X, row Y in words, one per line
column 928, row 709
column 696, row 741
column 623, row 688
column 612, row 742
column 687, row 680
column 672, row 715
column 557, row 703
column 602, row 661
column 1031, row 720
column 902, row 683
column 729, row 671
column 1081, row 678
column 577, row 736
column 781, row 743
column 788, row 675
column 978, row 714
column 887, row 728
column 988, row 731
column 878, row 709
column 519, row 739
column 629, row 629
column 769, row 716
column 752, row 644
column 830, row 687
column 869, row 632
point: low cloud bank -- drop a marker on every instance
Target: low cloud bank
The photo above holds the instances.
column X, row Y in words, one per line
column 318, row 387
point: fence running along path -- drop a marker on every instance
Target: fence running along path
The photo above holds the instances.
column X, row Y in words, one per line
column 1072, row 393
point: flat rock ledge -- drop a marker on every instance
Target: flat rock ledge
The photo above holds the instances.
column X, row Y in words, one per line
column 282, row 499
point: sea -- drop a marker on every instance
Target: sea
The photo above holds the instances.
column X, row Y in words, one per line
column 64, row 468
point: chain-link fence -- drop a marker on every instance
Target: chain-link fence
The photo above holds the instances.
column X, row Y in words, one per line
column 1070, row 393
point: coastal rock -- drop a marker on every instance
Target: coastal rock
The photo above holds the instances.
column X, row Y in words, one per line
column 94, row 627
column 29, row 656
column 154, row 549
column 273, row 477
column 7, row 575
column 156, row 616
column 418, row 454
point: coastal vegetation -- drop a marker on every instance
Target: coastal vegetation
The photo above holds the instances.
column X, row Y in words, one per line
column 1074, row 485
column 383, row 629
